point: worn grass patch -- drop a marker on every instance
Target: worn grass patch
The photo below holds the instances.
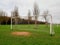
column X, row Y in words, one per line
column 21, row 33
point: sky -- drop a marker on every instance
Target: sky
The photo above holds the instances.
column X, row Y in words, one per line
column 53, row 6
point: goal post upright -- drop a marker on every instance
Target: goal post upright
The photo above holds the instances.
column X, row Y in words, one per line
column 51, row 26
column 11, row 21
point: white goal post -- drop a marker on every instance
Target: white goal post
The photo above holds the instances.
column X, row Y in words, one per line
column 51, row 29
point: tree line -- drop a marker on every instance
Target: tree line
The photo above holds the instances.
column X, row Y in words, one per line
column 16, row 19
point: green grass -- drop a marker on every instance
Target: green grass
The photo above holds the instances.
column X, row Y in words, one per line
column 40, row 36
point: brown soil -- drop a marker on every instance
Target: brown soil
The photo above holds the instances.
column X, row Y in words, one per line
column 21, row 33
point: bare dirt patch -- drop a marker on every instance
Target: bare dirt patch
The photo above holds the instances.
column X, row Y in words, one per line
column 21, row 33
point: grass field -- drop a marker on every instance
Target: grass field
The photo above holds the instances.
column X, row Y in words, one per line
column 40, row 36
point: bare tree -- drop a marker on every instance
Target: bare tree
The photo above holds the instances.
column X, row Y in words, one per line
column 6, row 18
column 2, row 14
column 36, row 13
column 0, row 17
column 45, row 14
column 15, row 14
column 29, row 16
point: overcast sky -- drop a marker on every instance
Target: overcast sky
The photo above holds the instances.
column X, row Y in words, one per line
column 24, row 5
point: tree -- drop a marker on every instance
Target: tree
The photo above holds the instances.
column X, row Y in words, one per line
column 29, row 16
column 2, row 16
column 36, row 13
column 45, row 14
column 15, row 15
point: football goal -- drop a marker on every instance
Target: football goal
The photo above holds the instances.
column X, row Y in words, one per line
column 26, row 22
